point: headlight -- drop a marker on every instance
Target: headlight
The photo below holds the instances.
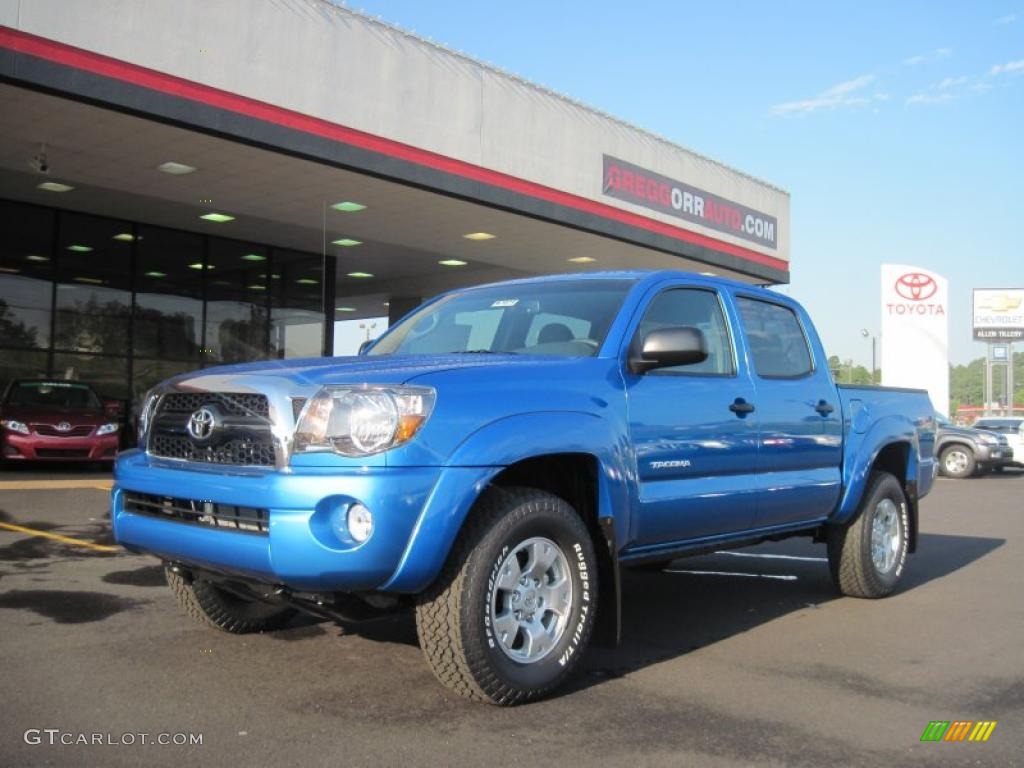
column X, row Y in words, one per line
column 15, row 426
column 106, row 429
column 360, row 421
column 146, row 414
column 988, row 439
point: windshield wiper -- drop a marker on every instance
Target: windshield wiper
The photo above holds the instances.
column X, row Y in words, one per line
column 482, row 352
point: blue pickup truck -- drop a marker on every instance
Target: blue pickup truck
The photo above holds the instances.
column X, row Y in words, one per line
column 501, row 454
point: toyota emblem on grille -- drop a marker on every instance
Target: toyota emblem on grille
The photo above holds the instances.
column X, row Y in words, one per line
column 63, row 427
column 201, row 424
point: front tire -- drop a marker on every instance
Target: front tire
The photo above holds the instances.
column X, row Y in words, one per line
column 957, row 461
column 208, row 604
column 509, row 618
column 866, row 555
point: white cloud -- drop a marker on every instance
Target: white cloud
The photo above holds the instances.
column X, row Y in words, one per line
column 840, row 95
column 951, row 82
column 921, row 58
column 1007, row 19
column 982, row 87
column 929, row 98
column 1010, row 67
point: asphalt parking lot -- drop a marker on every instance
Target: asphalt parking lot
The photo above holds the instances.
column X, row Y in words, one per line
column 727, row 660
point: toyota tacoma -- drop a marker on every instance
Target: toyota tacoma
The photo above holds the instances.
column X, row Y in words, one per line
column 498, row 456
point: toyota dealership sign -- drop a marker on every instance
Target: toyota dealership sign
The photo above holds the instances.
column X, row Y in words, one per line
column 998, row 314
column 915, row 331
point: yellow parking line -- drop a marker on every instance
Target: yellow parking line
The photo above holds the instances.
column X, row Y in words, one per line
column 57, row 537
column 53, row 485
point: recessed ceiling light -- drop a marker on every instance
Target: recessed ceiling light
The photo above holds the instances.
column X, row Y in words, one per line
column 452, row 263
column 54, row 186
column 175, row 169
column 156, row 274
column 199, row 265
column 253, row 257
column 708, row 274
column 124, row 237
column 90, row 280
column 307, row 281
column 220, row 218
column 80, row 248
column 347, row 242
column 276, row 277
column 387, row 303
column 359, row 274
column 33, row 257
column 344, row 309
column 348, row 206
column 479, row 236
column 582, row 259
column 10, row 270
column 257, row 287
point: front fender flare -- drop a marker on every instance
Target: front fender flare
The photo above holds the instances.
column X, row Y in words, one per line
column 482, row 456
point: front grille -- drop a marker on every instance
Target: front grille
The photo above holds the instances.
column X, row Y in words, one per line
column 62, row 453
column 241, row 437
column 248, row 519
column 243, row 453
column 49, row 430
column 231, row 403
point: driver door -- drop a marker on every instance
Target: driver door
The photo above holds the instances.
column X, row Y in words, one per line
column 696, row 455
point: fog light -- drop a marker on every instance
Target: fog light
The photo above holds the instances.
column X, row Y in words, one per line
column 360, row 523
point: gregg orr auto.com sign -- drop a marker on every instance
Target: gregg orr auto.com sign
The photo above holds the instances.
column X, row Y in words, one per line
column 637, row 185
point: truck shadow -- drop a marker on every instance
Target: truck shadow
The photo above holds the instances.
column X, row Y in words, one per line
column 699, row 601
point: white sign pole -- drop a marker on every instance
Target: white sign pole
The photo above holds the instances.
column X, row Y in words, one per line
column 915, row 326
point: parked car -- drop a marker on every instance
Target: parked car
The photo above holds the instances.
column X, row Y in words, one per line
column 965, row 451
column 500, row 454
column 48, row 420
column 1012, row 428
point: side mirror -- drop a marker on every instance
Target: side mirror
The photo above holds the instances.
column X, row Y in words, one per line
column 664, row 347
column 365, row 346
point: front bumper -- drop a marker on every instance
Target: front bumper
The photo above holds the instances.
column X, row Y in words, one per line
column 995, row 456
column 18, row 447
column 413, row 509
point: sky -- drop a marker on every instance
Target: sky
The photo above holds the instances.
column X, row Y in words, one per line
column 895, row 126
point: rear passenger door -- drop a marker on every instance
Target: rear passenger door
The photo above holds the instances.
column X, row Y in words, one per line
column 800, row 429
column 696, row 453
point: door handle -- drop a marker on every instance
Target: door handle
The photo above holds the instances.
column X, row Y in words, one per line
column 741, row 407
column 824, row 408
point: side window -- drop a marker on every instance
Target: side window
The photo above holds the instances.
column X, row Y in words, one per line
column 777, row 341
column 698, row 309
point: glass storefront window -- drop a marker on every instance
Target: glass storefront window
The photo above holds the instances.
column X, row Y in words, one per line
column 94, row 300
column 26, row 272
column 296, row 305
column 107, row 375
column 21, row 364
column 169, row 297
column 236, row 302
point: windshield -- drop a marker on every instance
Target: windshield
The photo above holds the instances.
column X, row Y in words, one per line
column 52, row 394
column 568, row 318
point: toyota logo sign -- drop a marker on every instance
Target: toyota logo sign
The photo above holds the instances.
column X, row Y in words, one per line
column 916, row 286
column 201, row 424
column 64, row 427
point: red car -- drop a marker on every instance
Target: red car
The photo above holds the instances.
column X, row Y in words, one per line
column 44, row 420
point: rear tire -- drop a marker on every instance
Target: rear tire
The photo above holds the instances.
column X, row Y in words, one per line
column 511, row 614
column 957, row 461
column 209, row 604
column 866, row 555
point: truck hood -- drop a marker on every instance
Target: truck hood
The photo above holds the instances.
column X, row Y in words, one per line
column 308, row 375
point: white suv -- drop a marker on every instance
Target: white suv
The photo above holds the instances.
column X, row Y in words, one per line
column 1012, row 427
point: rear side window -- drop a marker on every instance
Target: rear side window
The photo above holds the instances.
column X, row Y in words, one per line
column 777, row 341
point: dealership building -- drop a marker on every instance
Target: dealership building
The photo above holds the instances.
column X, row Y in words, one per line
column 191, row 183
